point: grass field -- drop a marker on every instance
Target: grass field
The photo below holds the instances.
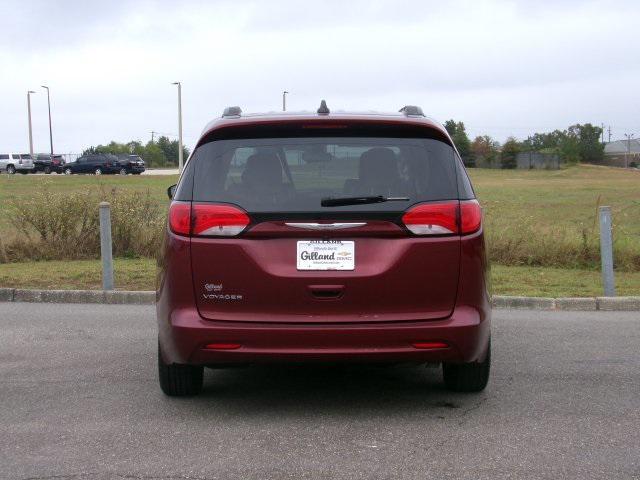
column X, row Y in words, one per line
column 549, row 218
column 533, row 219
column 139, row 274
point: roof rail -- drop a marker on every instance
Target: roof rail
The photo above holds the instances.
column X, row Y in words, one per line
column 232, row 112
column 412, row 111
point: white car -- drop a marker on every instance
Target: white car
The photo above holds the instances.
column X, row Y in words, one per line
column 16, row 162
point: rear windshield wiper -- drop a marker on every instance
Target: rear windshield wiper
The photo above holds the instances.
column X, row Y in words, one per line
column 341, row 201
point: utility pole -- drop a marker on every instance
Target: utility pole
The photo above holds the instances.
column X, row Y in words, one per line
column 609, row 134
column 284, row 101
column 180, row 159
column 602, row 133
column 30, row 129
column 50, row 131
column 626, row 157
column 152, row 135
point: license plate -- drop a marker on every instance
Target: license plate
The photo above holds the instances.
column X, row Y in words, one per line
column 326, row 255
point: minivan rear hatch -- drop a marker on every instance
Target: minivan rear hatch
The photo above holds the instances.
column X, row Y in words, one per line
column 270, row 243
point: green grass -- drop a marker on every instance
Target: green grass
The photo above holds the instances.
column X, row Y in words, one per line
column 129, row 274
column 539, row 217
column 139, row 274
column 558, row 282
column 533, row 219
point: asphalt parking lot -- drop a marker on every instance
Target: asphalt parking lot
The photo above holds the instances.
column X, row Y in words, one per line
column 79, row 400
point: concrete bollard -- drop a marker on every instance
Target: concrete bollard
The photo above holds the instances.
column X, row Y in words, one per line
column 105, row 246
column 606, row 252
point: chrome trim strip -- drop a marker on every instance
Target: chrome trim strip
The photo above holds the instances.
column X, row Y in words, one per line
column 325, row 226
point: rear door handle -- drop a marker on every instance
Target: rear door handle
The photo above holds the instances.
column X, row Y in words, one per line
column 326, row 292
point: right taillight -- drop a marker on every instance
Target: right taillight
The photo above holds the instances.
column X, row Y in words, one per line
column 206, row 219
column 444, row 218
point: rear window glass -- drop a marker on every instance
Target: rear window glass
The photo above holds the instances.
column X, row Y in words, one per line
column 4, row 156
column 295, row 174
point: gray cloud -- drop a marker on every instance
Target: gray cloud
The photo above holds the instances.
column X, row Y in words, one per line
column 504, row 67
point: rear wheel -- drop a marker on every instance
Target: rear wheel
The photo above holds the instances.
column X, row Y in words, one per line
column 11, row 169
column 177, row 380
column 123, row 171
column 47, row 170
column 67, row 171
column 467, row 377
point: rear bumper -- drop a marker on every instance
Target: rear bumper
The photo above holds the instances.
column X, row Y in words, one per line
column 184, row 334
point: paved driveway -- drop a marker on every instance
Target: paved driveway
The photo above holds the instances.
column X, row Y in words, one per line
column 79, row 400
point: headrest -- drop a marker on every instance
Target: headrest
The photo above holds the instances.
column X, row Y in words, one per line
column 378, row 165
column 262, row 169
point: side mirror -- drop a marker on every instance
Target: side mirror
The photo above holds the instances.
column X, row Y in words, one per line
column 171, row 191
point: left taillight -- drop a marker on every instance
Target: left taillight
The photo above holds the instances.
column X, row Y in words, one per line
column 180, row 218
column 207, row 220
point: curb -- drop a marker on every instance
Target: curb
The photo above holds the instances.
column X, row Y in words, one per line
column 124, row 297
column 584, row 304
column 121, row 297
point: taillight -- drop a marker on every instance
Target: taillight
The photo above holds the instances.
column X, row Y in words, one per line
column 204, row 219
column 218, row 220
column 470, row 216
column 180, row 218
column 432, row 218
column 442, row 218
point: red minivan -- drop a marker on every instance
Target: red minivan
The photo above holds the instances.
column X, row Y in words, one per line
column 323, row 237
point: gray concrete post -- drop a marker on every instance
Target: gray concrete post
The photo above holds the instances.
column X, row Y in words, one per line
column 606, row 252
column 105, row 246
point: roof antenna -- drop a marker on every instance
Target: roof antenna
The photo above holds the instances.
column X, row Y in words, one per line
column 323, row 110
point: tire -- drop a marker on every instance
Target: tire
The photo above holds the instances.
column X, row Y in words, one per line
column 47, row 170
column 123, row 171
column 177, row 380
column 67, row 171
column 98, row 171
column 467, row 377
column 11, row 170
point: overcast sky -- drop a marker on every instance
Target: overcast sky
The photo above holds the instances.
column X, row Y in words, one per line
column 503, row 67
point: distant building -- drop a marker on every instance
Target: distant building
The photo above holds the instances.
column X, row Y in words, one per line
column 622, row 153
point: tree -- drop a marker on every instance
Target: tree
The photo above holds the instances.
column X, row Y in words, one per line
column 590, row 149
column 170, row 148
column 510, row 151
column 153, row 155
column 484, row 148
column 459, row 136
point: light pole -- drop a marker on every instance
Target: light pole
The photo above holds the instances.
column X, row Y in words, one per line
column 29, row 114
column 50, row 131
column 180, row 159
column 626, row 157
column 284, row 101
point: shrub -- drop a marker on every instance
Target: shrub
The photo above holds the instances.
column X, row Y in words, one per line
column 53, row 226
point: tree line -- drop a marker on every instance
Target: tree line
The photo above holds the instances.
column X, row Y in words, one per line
column 161, row 153
column 578, row 143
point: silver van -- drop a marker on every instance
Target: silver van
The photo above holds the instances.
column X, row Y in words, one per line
column 16, row 162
